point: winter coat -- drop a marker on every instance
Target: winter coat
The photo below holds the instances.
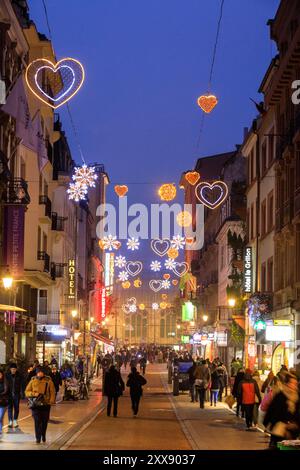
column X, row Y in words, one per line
column 3, row 392
column 39, row 387
column 215, row 380
column 135, row 382
column 238, row 378
column 202, row 373
column 191, row 372
column 278, row 412
column 56, row 379
column 259, row 384
column 247, row 391
column 15, row 384
column 113, row 383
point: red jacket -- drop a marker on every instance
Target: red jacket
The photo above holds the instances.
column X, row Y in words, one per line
column 247, row 390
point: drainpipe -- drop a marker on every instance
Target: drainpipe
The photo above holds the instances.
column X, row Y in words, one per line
column 257, row 202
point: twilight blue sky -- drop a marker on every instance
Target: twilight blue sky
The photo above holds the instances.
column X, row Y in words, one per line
column 146, row 63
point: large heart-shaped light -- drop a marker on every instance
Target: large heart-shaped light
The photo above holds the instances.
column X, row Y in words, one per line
column 207, row 102
column 55, row 84
column 211, row 194
column 180, row 269
column 134, row 267
column 155, row 285
column 160, row 247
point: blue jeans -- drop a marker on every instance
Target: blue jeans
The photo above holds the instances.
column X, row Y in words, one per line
column 2, row 413
column 214, row 396
column 13, row 408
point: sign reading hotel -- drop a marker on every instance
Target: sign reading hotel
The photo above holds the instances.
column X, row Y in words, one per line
column 109, row 271
column 248, row 270
column 71, row 279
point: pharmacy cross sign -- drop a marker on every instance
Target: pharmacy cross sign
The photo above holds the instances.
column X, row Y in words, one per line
column 54, row 83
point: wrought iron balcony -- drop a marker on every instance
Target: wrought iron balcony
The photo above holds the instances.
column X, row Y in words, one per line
column 43, row 256
column 16, row 192
column 57, row 222
column 48, row 205
column 57, row 270
column 48, row 318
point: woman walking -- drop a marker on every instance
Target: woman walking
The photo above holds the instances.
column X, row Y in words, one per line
column 215, row 385
column 41, row 394
column 113, row 389
column 135, row 382
column 3, row 399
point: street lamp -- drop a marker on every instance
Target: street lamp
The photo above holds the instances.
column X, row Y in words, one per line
column 74, row 313
column 205, row 317
column 231, row 302
column 7, row 282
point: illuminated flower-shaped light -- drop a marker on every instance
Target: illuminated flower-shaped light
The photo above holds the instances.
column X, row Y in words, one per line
column 85, row 176
column 155, row 266
column 120, row 261
column 123, row 276
column 170, row 264
column 178, row 242
column 155, row 306
column 77, row 192
column 166, row 284
column 110, row 243
column 133, row 244
column 132, row 308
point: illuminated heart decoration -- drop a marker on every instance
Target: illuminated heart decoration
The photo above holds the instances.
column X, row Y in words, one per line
column 207, row 102
column 118, row 245
column 155, row 285
column 160, row 247
column 192, row 177
column 189, row 240
column 164, row 296
column 175, row 282
column 64, row 79
column 180, row 269
column 166, row 276
column 128, row 304
column 218, row 190
column 134, row 267
column 126, row 285
column 121, row 190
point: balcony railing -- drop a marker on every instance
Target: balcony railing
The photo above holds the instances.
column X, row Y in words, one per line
column 43, row 256
column 48, row 318
column 16, row 192
column 57, row 222
column 48, row 205
column 57, row 270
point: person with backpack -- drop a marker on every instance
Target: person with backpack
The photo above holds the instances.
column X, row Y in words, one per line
column 247, row 392
column 135, row 383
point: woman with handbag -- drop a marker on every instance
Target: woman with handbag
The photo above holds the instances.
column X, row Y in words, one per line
column 40, row 392
column 3, row 399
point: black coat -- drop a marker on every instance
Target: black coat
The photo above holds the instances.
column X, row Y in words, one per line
column 56, row 379
column 238, row 378
column 278, row 411
column 135, row 382
column 113, row 384
column 191, row 371
column 215, row 380
column 14, row 384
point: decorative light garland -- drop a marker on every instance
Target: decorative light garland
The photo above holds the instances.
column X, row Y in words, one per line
column 155, row 266
column 178, row 242
column 207, row 102
column 160, row 246
column 121, row 190
column 192, row 177
column 133, row 244
column 167, row 192
column 120, row 261
column 222, row 188
column 134, row 268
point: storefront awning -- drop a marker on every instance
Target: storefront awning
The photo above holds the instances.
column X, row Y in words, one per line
column 11, row 308
column 102, row 338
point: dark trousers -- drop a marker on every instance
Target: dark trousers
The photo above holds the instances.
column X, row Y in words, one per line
column 41, row 418
column 13, row 408
column 110, row 399
column 221, row 393
column 202, row 393
column 192, row 391
column 135, row 401
column 239, row 407
column 249, row 414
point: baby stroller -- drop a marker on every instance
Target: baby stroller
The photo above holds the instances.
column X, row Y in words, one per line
column 71, row 389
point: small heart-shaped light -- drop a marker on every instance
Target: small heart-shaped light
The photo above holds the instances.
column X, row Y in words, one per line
column 166, row 276
column 189, row 240
column 192, row 177
column 126, row 285
column 164, row 296
column 175, row 282
column 121, row 190
column 207, row 102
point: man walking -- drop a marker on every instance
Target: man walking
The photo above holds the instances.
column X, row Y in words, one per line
column 113, row 389
column 135, row 382
column 202, row 380
column 15, row 386
column 247, row 391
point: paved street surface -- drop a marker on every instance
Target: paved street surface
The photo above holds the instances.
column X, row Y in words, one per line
column 160, row 427
column 65, row 416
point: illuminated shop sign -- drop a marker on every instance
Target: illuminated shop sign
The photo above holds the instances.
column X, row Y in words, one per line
column 72, row 278
column 278, row 333
column 109, row 270
column 248, row 270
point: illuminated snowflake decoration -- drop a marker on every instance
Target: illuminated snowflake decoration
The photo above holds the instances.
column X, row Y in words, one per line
column 155, row 266
column 132, row 308
column 77, row 192
column 178, row 242
column 166, row 284
column 133, row 244
column 123, row 276
column 120, row 261
column 110, row 243
column 155, row 306
column 170, row 264
column 85, row 176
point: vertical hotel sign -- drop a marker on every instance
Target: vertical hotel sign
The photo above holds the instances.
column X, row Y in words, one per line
column 71, row 278
column 13, row 239
column 109, row 271
column 248, row 270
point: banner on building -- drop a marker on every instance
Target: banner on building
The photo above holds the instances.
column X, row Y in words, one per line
column 13, row 239
column 248, row 270
column 71, row 278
